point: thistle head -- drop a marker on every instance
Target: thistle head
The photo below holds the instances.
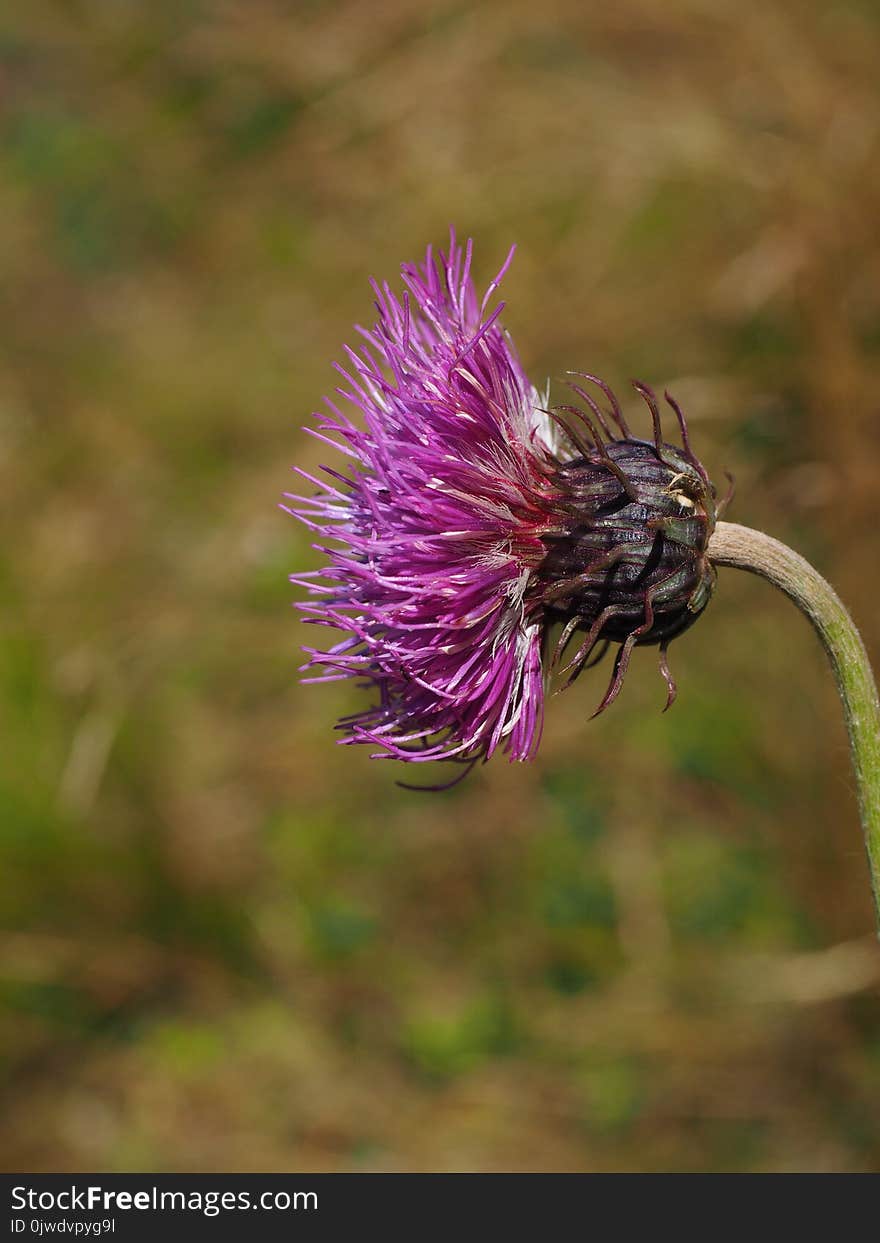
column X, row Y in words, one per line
column 476, row 533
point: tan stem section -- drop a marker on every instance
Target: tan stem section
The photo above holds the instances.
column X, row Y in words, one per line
column 735, row 545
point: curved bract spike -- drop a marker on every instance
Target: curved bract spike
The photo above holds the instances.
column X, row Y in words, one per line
column 685, row 438
column 618, row 673
column 563, row 641
column 466, row 768
column 724, row 503
column 617, row 413
column 621, row 663
column 650, row 399
column 594, row 406
column 586, row 420
column 671, row 688
column 569, row 432
column 607, row 461
column 577, row 664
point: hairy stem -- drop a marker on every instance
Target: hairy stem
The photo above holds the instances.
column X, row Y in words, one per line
column 732, row 544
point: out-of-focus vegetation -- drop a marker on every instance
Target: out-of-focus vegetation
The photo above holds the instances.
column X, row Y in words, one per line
column 227, row 943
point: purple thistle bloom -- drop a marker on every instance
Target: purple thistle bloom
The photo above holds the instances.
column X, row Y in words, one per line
column 474, row 519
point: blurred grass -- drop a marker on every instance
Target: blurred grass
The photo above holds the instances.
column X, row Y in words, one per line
column 227, row 944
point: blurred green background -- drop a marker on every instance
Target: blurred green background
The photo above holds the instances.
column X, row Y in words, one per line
column 229, row 944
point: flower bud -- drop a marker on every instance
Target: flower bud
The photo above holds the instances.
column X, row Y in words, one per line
column 628, row 563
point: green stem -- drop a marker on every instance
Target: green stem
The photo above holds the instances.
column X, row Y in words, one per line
column 732, row 544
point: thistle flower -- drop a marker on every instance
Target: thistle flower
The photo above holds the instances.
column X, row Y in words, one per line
column 475, row 525
column 474, row 521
